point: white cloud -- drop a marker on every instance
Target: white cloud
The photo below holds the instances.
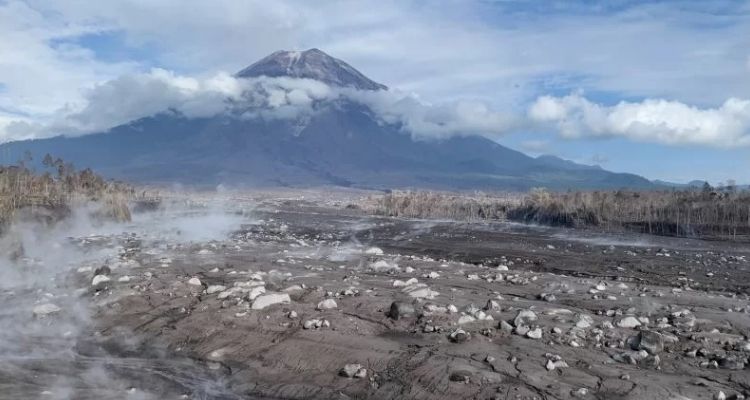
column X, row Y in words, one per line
column 507, row 58
column 131, row 97
column 507, row 53
column 651, row 120
column 424, row 120
column 134, row 96
column 39, row 74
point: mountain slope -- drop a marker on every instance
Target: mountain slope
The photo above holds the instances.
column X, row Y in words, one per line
column 341, row 143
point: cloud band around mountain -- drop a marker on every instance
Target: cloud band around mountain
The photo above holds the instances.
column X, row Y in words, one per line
column 135, row 96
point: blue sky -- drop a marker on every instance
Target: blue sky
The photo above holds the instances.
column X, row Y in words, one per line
column 656, row 88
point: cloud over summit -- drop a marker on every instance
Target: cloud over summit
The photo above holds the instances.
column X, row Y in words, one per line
column 134, row 96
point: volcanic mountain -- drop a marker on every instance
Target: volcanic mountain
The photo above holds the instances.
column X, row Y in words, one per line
column 341, row 143
column 311, row 64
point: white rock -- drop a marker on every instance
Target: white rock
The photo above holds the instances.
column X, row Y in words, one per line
column 374, row 251
column 399, row 283
column 194, row 281
column 629, row 322
column 524, row 317
column 420, row 291
column 327, row 304
column 353, row 371
column 583, row 321
column 465, row 319
column 227, row 293
column 99, row 279
column 46, row 309
column 384, row 266
column 255, row 292
column 580, row 392
column 551, row 365
column 431, row 275
column 125, row 278
column 309, row 324
column 481, row 315
column 316, row 323
column 534, row 333
column 270, row 299
column 215, row 289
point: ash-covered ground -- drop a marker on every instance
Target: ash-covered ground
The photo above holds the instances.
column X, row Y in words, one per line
column 297, row 297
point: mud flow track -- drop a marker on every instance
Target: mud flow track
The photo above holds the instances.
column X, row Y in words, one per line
column 276, row 306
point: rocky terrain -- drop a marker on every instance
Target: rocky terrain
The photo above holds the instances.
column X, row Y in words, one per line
column 293, row 296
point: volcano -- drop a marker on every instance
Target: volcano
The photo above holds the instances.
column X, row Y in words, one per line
column 341, row 143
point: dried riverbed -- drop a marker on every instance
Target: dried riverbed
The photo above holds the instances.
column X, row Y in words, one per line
column 297, row 302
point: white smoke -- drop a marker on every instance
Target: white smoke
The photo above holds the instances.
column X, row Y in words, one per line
column 46, row 273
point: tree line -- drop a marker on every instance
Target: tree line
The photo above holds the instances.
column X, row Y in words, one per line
column 706, row 212
column 55, row 189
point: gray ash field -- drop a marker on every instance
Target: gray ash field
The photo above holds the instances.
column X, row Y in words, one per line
column 290, row 297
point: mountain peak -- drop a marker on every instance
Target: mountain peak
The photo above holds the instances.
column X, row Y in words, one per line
column 310, row 64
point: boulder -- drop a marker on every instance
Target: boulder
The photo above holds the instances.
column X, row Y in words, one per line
column 534, row 333
column 459, row 336
column 327, row 304
column 43, row 310
column 524, row 318
column 583, row 321
column 353, row 371
column 460, row 376
column 400, row 309
column 270, row 299
column 652, row 342
column 629, row 322
column 99, row 279
column 215, row 289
